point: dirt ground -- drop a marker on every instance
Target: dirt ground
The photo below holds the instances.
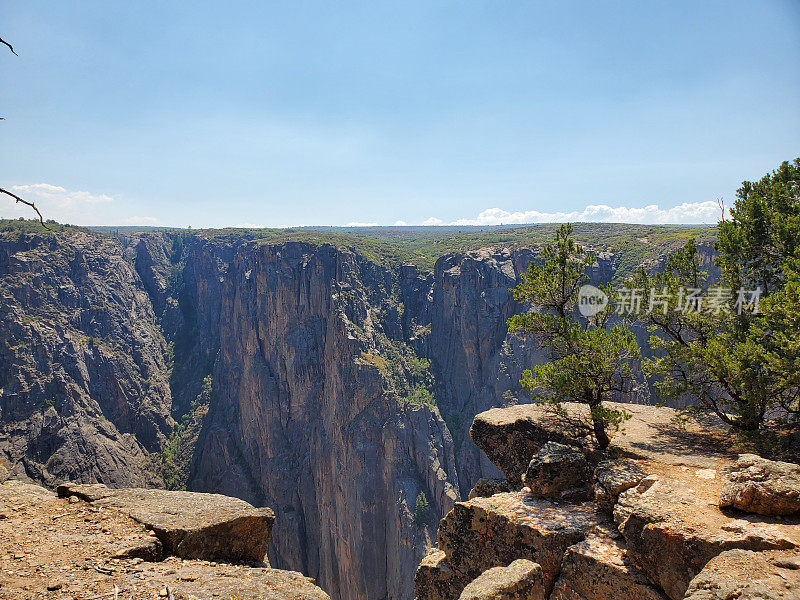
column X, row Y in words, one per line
column 57, row 549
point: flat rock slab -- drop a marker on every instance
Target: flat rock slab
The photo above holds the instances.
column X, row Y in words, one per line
column 762, row 486
column 672, row 531
column 746, row 575
column 521, row 580
column 189, row 524
column 598, row 569
column 511, row 436
column 488, row 532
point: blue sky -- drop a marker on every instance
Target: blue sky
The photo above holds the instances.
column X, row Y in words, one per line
column 279, row 114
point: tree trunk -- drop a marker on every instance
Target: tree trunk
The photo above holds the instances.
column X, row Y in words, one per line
column 599, row 426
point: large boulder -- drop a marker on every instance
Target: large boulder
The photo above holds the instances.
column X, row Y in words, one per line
column 3, row 473
column 189, row 524
column 521, row 580
column 511, row 436
column 489, row 486
column 435, row 579
column 598, row 569
column 612, row 477
column 762, row 486
column 558, row 471
column 488, row 532
column 672, row 531
column 746, row 575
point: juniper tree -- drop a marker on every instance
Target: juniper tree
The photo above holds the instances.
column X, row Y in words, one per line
column 723, row 351
column 590, row 360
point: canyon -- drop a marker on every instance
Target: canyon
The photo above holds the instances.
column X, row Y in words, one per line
column 304, row 376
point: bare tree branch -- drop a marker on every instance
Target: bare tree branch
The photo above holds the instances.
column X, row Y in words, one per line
column 10, row 47
column 31, row 204
column 721, row 204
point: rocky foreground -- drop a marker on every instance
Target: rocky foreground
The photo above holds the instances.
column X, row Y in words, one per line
column 94, row 542
column 667, row 513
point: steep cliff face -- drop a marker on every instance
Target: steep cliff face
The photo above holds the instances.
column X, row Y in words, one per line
column 305, row 378
column 477, row 362
column 305, row 418
column 83, row 367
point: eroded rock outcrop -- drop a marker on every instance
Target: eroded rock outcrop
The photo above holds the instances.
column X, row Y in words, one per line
column 612, row 477
column 672, row 534
column 189, row 524
column 487, row 532
column 84, row 391
column 599, row 568
column 511, row 436
column 762, row 486
column 559, row 471
column 667, row 527
column 521, row 580
column 747, row 575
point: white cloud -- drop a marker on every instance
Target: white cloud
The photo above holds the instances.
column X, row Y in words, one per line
column 58, row 196
column 72, row 206
column 684, row 214
column 357, row 224
column 400, row 224
column 250, row 226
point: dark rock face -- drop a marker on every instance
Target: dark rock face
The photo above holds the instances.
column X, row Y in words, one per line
column 558, row 471
column 189, row 524
column 83, row 368
column 762, row 486
column 302, row 420
column 109, row 338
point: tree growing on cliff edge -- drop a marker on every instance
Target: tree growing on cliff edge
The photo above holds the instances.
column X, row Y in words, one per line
column 728, row 354
column 590, row 360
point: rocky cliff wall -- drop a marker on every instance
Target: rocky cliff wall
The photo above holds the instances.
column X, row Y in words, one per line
column 301, row 376
column 84, row 389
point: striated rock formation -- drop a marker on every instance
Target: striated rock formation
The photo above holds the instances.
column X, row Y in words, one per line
column 306, row 417
column 84, row 389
